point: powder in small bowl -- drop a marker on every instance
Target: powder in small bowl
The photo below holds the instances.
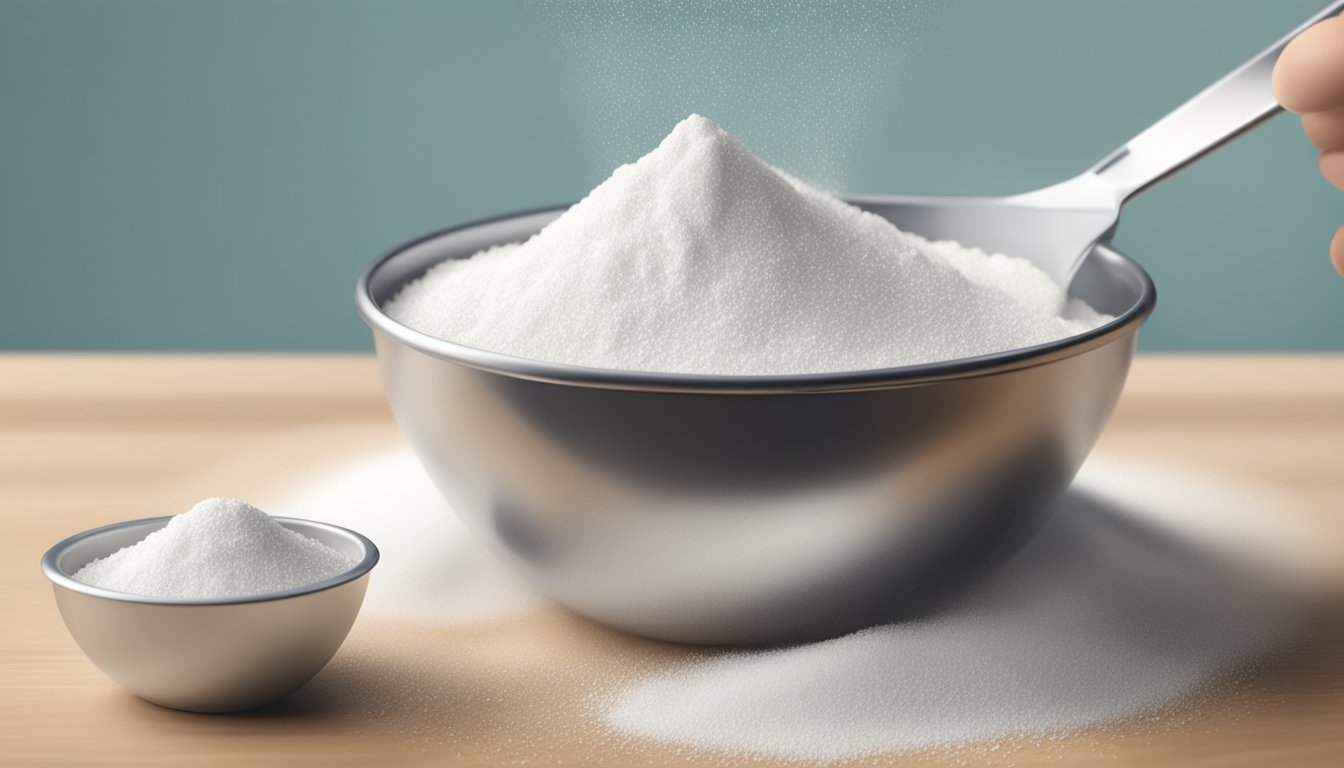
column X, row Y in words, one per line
column 219, row 548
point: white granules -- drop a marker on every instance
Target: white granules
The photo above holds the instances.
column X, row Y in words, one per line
column 1103, row 617
column 218, row 548
column 700, row 258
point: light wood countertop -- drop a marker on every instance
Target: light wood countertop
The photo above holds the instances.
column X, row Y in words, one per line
column 92, row 439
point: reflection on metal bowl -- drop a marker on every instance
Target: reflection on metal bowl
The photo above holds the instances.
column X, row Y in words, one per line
column 750, row 509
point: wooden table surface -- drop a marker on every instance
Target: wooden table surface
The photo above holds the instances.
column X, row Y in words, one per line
column 92, row 439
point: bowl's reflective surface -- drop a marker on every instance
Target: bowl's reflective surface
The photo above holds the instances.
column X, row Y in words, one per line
column 220, row 655
column 750, row 509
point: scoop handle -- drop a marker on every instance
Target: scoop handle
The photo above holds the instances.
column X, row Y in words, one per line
column 1241, row 100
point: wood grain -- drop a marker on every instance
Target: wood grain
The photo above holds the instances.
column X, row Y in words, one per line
column 90, row 439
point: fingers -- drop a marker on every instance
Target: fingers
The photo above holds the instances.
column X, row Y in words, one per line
column 1309, row 75
column 1309, row 79
column 1332, row 167
column 1337, row 251
column 1325, row 129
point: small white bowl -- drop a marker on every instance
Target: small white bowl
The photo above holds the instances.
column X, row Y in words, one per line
column 208, row 655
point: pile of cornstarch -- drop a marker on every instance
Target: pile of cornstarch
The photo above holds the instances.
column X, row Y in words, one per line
column 218, row 548
column 701, row 258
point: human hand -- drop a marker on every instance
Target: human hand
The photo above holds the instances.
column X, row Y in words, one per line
column 1309, row 80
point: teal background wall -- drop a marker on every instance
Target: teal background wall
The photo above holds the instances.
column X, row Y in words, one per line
column 213, row 175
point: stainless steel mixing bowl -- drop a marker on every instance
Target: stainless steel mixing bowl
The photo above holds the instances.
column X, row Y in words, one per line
column 209, row 655
column 750, row 509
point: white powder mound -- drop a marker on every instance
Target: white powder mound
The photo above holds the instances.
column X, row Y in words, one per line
column 218, row 548
column 700, row 258
column 1106, row 615
column 432, row 568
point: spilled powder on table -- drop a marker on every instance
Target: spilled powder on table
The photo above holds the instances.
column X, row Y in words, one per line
column 1145, row 587
column 1106, row 615
column 432, row 566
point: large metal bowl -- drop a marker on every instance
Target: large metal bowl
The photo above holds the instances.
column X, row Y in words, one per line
column 750, row 509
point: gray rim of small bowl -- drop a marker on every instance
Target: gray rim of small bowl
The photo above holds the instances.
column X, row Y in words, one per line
column 52, row 570
column 840, row 381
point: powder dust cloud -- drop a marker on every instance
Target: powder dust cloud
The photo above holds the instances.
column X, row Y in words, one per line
column 794, row 80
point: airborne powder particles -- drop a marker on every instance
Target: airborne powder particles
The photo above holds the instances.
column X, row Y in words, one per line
column 700, row 258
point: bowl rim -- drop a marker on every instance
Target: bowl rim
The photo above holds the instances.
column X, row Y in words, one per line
column 54, row 573
column 1123, row 324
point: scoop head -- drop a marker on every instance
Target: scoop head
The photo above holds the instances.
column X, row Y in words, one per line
column 1054, row 228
